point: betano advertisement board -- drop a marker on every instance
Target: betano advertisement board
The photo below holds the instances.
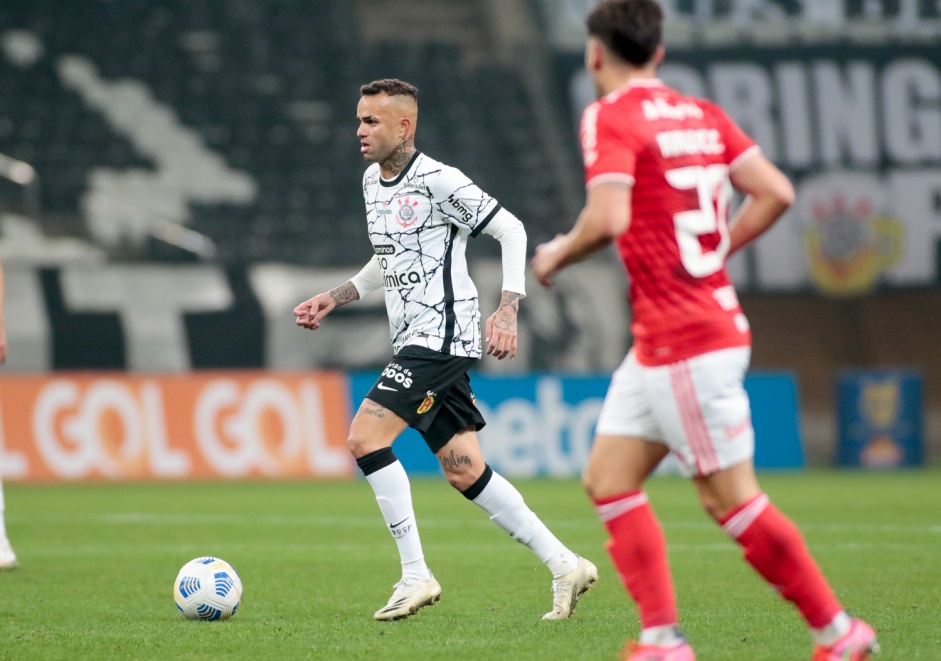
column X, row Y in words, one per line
column 86, row 426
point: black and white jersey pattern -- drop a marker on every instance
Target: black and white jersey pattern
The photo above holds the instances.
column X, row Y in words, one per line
column 419, row 224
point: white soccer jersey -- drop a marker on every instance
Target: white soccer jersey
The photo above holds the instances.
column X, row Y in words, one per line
column 418, row 224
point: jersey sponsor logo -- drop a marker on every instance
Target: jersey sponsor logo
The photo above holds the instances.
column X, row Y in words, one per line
column 655, row 109
column 689, row 142
column 466, row 214
column 406, row 216
column 427, row 403
column 398, row 374
column 401, row 280
column 384, row 249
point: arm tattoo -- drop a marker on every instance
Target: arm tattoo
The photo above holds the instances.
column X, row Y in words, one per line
column 505, row 316
column 345, row 293
column 400, row 156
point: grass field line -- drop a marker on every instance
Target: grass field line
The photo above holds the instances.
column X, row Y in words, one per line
column 457, row 547
column 150, row 518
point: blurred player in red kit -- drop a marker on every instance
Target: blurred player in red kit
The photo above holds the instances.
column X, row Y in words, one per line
column 660, row 169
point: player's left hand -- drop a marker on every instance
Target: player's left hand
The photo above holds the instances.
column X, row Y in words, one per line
column 549, row 259
column 501, row 328
column 313, row 310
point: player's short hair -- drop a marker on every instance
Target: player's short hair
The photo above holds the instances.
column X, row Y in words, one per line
column 390, row 86
column 631, row 29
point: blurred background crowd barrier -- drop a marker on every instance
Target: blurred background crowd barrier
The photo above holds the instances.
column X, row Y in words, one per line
column 176, row 175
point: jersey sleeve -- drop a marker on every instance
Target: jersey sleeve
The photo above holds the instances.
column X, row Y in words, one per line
column 461, row 202
column 738, row 145
column 608, row 150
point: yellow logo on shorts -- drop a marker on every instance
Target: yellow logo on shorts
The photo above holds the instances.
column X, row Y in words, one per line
column 426, row 404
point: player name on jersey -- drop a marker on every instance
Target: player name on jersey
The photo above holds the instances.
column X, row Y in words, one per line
column 689, row 142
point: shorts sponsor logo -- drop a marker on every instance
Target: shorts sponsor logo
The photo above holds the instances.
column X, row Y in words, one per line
column 427, row 403
column 398, row 374
column 735, row 430
column 383, row 386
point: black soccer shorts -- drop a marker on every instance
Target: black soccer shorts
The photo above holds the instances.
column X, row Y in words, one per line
column 431, row 392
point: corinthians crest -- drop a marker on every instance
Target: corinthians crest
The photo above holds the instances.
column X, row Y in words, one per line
column 849, row 240
column 405, row 215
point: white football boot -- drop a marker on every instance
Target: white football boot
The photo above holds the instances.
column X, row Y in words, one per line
column 409, row 596
column 7, row 556
column 566, row 591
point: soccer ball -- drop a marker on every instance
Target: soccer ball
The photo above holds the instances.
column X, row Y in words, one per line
column 207, row 589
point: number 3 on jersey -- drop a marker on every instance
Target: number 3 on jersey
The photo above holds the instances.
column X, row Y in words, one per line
column 712, row 185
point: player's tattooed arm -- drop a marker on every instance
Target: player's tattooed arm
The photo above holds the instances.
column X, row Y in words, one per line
column 502, row 327
column 345, row 293
column 399, row 157
column 505, row 316
column 310, row 313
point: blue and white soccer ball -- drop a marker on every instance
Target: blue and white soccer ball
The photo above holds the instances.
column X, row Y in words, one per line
column 207, row 589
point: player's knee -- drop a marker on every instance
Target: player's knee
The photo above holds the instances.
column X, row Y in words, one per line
column 462, row 479
column 712, row 505
column 359, row 445
column 590, row 482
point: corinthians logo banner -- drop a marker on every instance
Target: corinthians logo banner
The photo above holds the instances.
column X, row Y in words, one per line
column 858, row 129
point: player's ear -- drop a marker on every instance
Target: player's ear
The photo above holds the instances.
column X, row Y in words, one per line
column 405, row 127
column 593, row 54
column 659, row 55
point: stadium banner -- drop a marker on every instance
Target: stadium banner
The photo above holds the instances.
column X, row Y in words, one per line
column 198, row 426
column 151, row 318
column 858, row 129
column 543, row 425
column 777, row 19
column 879, row 418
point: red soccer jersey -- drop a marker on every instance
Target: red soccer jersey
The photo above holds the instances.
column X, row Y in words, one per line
column 676, row 153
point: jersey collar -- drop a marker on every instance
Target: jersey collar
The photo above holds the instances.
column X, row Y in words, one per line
column 634, row 83
column 394, row 182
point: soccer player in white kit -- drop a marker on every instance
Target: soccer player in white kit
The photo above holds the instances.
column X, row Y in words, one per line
column 420, row 214
column 659, row 169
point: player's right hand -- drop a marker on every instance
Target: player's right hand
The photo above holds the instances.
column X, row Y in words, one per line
column 310, row 312
column 550, row 259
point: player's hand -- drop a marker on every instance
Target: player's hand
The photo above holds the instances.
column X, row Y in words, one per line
column 501, row 327
column 3, row 344
column 550, row 259
column 313, row 310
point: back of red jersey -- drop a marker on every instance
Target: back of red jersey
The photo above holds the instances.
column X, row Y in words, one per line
column 676, row 152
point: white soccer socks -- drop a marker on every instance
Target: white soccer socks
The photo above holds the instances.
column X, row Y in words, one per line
column 506, row 507
column 389, row 482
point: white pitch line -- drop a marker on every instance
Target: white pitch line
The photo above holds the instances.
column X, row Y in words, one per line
column 460, row 548
column 588, row 523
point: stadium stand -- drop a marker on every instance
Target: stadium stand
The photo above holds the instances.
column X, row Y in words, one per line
column 270, row 86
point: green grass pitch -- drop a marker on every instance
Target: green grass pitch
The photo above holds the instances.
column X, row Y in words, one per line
column 97, row 563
